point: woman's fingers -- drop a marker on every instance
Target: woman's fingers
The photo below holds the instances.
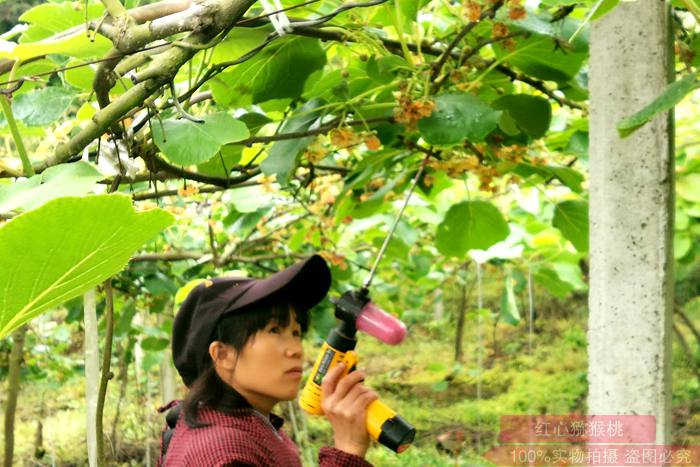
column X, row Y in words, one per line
column 348, row 382
column 364, row 399
column 330, row 381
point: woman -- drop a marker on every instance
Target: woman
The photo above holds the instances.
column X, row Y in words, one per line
column 237, row 343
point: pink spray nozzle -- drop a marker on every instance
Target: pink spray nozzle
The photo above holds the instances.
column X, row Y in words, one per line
column 380, row 324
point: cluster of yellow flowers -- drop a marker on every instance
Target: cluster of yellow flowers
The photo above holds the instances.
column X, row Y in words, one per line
column 335, row 259
column 473, row 9
column 514, row 153
column 340, row 138
column 188, row 190
column 410, row 111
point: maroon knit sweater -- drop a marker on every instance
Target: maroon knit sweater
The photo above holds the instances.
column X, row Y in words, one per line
column 244, row 438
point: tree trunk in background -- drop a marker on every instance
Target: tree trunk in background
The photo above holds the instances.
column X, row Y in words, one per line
column 123, row 380
column 12, row 392
column 631, row 217
column 168, row 380
column 461, row 314
column 92, row 374
column 438, row 305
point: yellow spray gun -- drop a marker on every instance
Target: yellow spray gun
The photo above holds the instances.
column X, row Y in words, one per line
column 356, row 311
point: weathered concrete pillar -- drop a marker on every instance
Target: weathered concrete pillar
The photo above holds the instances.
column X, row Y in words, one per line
column 631, row 218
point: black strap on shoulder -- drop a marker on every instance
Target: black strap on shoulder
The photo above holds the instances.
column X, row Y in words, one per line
column 171, row 420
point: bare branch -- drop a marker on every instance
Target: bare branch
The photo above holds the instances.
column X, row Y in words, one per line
column 180, row 256
column 540, row 86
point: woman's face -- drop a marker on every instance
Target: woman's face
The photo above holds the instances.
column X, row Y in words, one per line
column 260, row 372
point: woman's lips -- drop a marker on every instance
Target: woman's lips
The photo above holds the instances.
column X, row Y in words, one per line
column 293, row 372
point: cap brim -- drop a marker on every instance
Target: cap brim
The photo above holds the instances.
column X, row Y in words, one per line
column 304, row 284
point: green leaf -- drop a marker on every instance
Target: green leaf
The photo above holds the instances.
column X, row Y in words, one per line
column 509, row 305
column 35, row 67
column 532, row 114
column 154, row 344
column 470, row 225
column 74, row 246
column 51, row 18
column 672, row 95
column 688, row 187
column 227, row 156
column 406, row 14
column 541, row 23
column 551, row 281
column 127, row 314
column 603, row 8
column 277, row 72
column 458, row 116
column 571, row 218
column 76, row 45
column 186, row 142
column 238, row 42
column 77, row 178
column 568, row 176
column 80, row 77
column 384, row 69
column 682, row 243
column 283, row 156
column 541, row 57
column 42, row 106
column 341, row 85
column 254, row 121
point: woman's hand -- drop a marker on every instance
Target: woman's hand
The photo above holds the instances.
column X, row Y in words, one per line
column 344, row 404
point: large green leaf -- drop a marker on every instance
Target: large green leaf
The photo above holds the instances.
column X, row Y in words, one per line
column 41, row 106
column 47, row 19
column 540, row 22
column 571, row 218
column 568, row 176
column 186, row 142
column 77, row 178
column 458, row 116
column 67, row 246
column 76, row 45
column 239, row 42
column 284, row 155
column 532, row 114
column 672, row 95
column 277, row 72
column 221, row 165
column 470, row 225
column 543, row 58
column 81, row 76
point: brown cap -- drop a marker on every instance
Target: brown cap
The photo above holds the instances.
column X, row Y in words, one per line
column 303, row 284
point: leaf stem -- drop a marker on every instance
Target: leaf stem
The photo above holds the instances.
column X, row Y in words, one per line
column 12, row 123
column 399, row 30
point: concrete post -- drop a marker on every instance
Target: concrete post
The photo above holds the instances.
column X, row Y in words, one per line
column 631, row 218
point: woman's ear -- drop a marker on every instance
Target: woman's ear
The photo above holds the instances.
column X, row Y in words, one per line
column 222, row 355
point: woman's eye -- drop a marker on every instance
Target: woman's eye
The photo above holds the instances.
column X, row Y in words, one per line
column 274, row 329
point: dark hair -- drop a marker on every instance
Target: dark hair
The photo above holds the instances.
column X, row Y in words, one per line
column 209, row 390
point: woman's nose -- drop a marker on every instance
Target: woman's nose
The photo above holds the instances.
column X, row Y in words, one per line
column 295, row 350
